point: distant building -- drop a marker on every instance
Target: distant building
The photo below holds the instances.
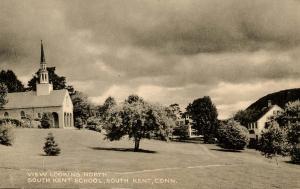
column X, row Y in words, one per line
column 185, row 122
column 261, row 121
column 33, row 104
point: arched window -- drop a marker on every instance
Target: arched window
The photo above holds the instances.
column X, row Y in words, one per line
column 23, row 115
column 6, row 114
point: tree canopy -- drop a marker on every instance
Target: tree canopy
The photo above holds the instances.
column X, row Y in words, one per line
column 205, row 117
column 175, row 110
column 109, row 103
column 138, row 119
column 233, row 136
column 274, row 141
column 81, row 106
column 3, row 94
column 246, row 116
column 11, row 81
column 58, row 82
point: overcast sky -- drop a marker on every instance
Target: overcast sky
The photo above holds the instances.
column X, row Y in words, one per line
column 167, row 51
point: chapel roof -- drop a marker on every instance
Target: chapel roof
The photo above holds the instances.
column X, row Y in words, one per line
column 30, row 99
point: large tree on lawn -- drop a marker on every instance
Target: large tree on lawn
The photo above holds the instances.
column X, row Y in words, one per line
column 11, row 81
column 205, row 117
column 138, row 119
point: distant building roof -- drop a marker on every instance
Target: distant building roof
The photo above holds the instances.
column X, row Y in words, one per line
column 30, row 99
column 260, row 114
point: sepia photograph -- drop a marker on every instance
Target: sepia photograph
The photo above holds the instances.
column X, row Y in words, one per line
column 149, row 94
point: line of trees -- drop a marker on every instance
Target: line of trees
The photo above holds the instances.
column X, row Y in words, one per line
column 135, row 117
column 138, row 119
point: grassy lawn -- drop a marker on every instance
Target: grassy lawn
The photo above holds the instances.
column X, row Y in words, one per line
column 161, row 165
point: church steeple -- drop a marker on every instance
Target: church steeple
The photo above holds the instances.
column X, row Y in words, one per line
column 43, row 74
column 42, row 53
column 43, row 87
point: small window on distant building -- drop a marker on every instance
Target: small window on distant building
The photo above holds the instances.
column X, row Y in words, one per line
column 255, row 125
column 23, row 115
column 6, row 114
column 39, row 115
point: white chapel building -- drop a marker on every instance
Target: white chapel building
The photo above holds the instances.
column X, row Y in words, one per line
column 33, row 104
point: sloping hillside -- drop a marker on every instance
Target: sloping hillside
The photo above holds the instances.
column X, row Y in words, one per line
column 189, row 165
column 280, row 98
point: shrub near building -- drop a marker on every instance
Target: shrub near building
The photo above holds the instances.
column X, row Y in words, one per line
column 274, row 141
column 94, row 124
column 6, row 134
column 78, row 123
column 46, row 121
column 231, row 135
column 13, row 122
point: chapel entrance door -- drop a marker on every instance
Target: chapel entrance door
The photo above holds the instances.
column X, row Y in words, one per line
column 55, row 120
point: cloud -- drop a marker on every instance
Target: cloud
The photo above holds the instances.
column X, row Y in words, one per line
column 190, row 27
column 230, row 97
column 166, row 51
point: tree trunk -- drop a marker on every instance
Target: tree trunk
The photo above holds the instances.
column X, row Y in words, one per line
column 136, row 144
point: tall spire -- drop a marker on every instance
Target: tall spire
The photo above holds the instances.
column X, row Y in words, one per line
column 42, row 53
column 43, row 87
column 43, row 73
